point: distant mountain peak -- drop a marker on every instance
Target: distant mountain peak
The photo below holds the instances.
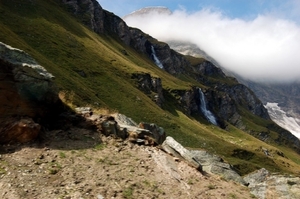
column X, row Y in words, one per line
column 151, row 9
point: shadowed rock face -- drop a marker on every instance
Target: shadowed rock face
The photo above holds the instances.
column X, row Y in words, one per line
column 22, row 131
column 27, row 95
column 151, row 86
column 91, row 13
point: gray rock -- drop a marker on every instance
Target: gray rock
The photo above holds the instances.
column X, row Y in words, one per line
column 143, row 131
column 263, row 185
column 256, row 177
column 124, row 120
column 109, row 127
column 170, row 145
column 31, row 79
column 214, row 164
column 157, row 132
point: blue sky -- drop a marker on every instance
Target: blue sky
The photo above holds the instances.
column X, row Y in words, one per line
column 245, row 9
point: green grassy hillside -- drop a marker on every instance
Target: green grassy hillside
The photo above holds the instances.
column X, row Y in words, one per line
column 94, row 70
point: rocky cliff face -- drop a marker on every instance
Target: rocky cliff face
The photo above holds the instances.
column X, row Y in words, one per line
column 90, row 11
column 28, row 95
column 246, row 98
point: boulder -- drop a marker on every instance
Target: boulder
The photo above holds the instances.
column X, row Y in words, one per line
column 171, row 146
column 139, row 135
column 157, row 132
column 110, row 127
column 26, row 91
column 124, row 120
column 23, row 130
column 143, row 133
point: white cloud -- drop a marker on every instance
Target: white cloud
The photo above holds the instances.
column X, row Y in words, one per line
column 264, row 48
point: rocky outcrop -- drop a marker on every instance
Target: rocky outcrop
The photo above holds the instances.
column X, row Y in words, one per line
column 171, row 146
column 110, row 127
column 99, row 20
column 27, row 95
column 158, row 133
column 206, row 68
column 141, row 132
column 120, row 126
column 264, row 185
column 90, row 12
column 188, row 100
column 151, row 86
column 224, row 106
column 202, row 161
column 257, row 177
column 216, row 165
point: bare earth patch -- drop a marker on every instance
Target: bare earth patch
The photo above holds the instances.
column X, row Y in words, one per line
column 81, row 164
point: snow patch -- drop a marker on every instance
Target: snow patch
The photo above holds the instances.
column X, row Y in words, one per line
column 282, row 119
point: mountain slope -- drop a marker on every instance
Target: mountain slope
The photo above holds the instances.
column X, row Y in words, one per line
column 108, row 68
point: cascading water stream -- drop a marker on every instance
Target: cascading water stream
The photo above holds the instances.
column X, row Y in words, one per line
column 209, row 115
column 156, row 60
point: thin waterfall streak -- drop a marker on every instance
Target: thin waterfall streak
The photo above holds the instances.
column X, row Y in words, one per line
column 156, row 60
column 209, row 115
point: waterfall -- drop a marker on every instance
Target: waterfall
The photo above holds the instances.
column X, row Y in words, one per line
column 209, row 115
column 156, row 60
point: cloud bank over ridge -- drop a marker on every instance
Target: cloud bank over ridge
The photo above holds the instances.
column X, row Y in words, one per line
column 265, row 48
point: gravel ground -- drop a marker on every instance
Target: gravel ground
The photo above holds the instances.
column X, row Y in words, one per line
column 79, row 163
